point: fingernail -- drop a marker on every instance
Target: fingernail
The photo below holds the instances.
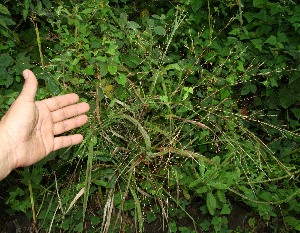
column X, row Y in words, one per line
column 26, row 74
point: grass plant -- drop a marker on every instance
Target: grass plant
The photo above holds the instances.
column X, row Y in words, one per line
column 182, row 118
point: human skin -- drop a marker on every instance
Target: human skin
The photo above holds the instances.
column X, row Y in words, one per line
column 30, row 129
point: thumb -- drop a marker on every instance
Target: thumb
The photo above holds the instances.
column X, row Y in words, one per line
column 30, row 86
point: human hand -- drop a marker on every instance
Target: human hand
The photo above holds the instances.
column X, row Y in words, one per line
column 30, row 128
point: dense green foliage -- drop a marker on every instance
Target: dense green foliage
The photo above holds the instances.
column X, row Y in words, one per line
column 195, row 108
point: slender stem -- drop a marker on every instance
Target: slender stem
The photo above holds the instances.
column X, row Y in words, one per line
column 38, row 40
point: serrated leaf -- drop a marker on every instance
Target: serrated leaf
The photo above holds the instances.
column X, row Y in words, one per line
column 221, row 196
column 293, row 222
column 4, row 10
column 218, row 185
column 195, row 182
column 2, row 23
column 201, row 190
column 8, row 21
column 159, row 30
column 226, row 209
column 211, row 203
column 217, row 223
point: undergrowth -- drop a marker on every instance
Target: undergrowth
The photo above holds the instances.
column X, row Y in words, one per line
column 184, row 121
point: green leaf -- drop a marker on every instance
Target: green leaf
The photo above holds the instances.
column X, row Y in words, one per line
column 288, row 96
column 253, row 89
column 79, row 227
column 217, row 185
column 231, row 79
column 257, row 44
column 293, row 222
column 150, row 23
column 240, row 66
column 52, row 84
column 196, row 4
column 234, row 31
column 259, row 3
column 221, row 196
column 217, row 223
column 205, row 225
column 6, row 60
column 164, row 98
column 245, row 90
column 133, row 25
column 224, row 93
column 100, row 183
column 159, row 30
column 112, row 69
column 9, row 80
column 174, row 66
column 225, row 209
column 89, row 70
column 104, row 69
column 3, row 24
column 47, row 3
column 201, row 190
column 121, row 79
column 296, row 112
column 272, row 40
column 189, row 89
column 22, row 63
column 112, row 48
column 101, row 58
column 151, row 216
column 4, row 10
column 211, row 203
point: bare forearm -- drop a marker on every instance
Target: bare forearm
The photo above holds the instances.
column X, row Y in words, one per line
column 5, row 156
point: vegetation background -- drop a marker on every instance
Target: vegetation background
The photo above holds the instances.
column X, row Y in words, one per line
column 194, row 121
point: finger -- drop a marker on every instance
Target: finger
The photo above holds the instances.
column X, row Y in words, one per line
column 30, row 86
column 69, row 111
column 66, row 125
column 65, row 141
column 61, row 101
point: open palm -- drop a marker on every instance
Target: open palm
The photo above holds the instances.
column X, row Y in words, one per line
column 31, row 127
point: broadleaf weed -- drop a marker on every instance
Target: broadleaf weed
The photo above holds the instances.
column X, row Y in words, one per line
column 176, row 118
